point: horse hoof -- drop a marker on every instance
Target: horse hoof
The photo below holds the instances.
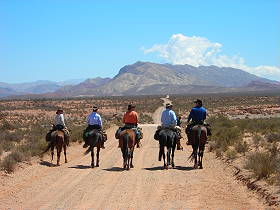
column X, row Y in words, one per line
column 173, row 165
column 97, row 165
column 195, row 166
column 92, row 165
column 131, row 166
column 200, row 167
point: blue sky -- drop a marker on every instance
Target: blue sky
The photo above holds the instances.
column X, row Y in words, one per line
column 60, row 40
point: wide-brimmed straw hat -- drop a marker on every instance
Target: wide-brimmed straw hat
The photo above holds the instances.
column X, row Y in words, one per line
column 169, row 105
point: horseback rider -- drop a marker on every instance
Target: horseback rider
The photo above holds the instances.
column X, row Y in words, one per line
column 59, row 124
column 130, row 120
column 169, row 120
column 197, row 116
column 94, row 121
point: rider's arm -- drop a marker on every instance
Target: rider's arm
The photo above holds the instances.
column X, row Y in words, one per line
column 99, row 121
column 190, row 116
column 136, row 116
column 62, row 120
column 173, row 118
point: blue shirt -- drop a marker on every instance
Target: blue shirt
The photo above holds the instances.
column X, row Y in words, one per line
column 197, row 114
column 94, row 119
column 168, row 117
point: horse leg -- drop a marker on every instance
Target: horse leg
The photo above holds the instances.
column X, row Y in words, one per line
column 172, row 162
column 201, row 151
column 164, row 161
column 64, row 149
column 195, row 147
column 92, row 157
column 128, row 160
column 97, row 156
column 131, row 158
column 168, row 156
column 124, row 158
column 161, row 151
column 58, row 148
column 52, row 152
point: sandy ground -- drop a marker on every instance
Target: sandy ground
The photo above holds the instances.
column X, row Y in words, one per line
column 147, row 186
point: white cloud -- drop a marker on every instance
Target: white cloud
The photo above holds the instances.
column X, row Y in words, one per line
column 196, row 51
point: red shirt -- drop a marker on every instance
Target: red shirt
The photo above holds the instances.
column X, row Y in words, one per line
column 130, row 117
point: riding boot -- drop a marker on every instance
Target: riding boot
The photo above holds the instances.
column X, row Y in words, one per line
column 179, row 147
column 102, row 145
column 137, row 143
column 85, row 145
column 119, row 144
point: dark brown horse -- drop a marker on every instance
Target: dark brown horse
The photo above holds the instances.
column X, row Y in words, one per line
column 56, row 139
column 94, row 140
column 127, row 144
column 167, row 139
column 197, row 138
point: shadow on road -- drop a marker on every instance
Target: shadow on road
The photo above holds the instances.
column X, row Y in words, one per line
column 160, row 168
column 184, row 168
column 80, row 167
column 157, row 168
column 46, row 163
column 113, row 169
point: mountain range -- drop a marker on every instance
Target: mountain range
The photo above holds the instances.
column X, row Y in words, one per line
column 146, row 78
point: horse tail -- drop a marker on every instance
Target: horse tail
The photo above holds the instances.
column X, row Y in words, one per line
column 199, row 131
column 88, row 150
column 48, row 148
column 192, row 156
column 95, row 140
column 162, row 142
column 126, row 138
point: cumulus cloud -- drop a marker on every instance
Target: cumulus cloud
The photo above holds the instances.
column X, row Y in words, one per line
column 197, row 51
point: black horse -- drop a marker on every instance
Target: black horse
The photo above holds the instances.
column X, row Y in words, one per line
column 167, row 138
column 94, row 140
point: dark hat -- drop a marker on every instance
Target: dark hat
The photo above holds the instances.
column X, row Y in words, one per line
column 168, row 105
column 94, row 108
column 130, row 106
column 198, row 101
column 59, row 111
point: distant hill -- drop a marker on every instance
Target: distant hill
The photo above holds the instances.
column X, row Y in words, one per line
column 145, row 78
column 38, row 87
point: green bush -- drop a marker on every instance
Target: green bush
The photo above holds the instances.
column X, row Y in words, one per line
column 262, row 165
column 8, row 164
column 242, row 147
column 231, row 154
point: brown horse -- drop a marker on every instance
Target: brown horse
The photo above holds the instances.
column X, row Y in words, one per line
column 56, row 139
column 197, row 139
column 127, row 144
column 94, row 140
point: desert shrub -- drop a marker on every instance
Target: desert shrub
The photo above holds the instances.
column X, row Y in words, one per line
column 219, row 152
column 273, row 137
column 17, row 156
column 257, row 139
column 262, row 165
column 8, row 164
column 7, row 125
column 7, row 145
column 231, row 154
column 242, row 147
column 76, row 133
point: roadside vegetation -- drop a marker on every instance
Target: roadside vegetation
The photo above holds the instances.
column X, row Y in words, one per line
column 254, row 142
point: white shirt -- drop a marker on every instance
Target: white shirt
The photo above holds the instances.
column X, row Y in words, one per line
column 59, row 120
column 94, row 119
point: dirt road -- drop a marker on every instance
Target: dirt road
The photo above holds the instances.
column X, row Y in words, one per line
column 77, row 186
